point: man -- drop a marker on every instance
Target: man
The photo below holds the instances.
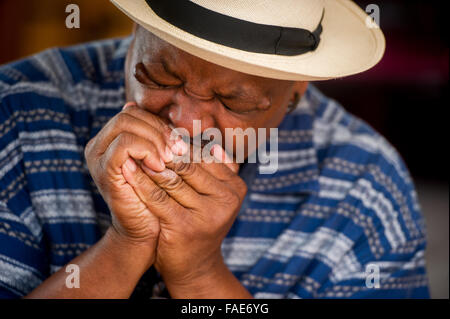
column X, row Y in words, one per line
column 94, row 204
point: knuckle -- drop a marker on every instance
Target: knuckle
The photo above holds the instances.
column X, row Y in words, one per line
column 183, row 168
column 172, row 183
column 122, row 121
column 141, row 179
column 125, row 139
column 158, row 195
column 88, row 148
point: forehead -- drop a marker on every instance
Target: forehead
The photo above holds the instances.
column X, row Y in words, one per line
column 151, row 49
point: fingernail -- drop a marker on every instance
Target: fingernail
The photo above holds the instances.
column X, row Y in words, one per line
column 130, row 165
column 169, row 154
column 180, row 147
column 217, row 152
column 163, row 165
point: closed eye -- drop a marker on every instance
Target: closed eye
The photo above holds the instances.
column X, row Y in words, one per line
column 234, row 110
column 142, row 76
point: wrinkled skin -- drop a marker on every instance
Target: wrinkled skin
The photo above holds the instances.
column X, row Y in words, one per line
column 180, row 211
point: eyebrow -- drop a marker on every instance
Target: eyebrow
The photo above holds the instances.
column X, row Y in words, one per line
column 240, row 93
column 233, row 93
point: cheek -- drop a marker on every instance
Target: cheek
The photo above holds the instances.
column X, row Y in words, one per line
column 267, row 120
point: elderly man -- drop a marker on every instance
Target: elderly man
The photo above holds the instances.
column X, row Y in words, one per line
column 95, row 202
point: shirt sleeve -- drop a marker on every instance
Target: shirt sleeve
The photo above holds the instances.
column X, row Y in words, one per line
column 23, row 263
column 378, row 248
column 395, row 274
column 21, row 257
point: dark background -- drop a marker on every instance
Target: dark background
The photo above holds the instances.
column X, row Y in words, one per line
column 404, row 97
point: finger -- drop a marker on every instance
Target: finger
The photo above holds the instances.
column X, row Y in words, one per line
column 176, row 145
column 175, row 186
column 127, row 145
column 222, row 167
column 155, row 198
column 127, row 123
column 152, row 119
column 201, row 174
column 196, row 177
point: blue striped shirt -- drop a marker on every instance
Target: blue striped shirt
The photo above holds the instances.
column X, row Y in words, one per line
column 340, row 212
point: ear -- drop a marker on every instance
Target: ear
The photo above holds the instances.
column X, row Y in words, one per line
column 300, row 87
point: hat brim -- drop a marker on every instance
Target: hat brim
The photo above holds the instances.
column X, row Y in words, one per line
column 348, row 45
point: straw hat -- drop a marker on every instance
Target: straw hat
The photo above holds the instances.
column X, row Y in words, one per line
column 282, row 39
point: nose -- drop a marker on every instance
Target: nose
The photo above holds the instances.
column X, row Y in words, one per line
column 188, row 107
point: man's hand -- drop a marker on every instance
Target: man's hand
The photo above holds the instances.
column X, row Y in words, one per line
column 133, row 136
column 196, row 205
column 112, row 267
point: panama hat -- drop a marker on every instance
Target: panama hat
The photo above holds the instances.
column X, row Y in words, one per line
column 281, row 39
